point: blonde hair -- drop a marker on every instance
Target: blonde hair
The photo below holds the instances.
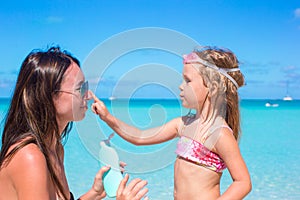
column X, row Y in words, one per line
column 223, row 58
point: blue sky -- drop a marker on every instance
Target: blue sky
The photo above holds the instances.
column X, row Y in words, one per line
column 265, row 35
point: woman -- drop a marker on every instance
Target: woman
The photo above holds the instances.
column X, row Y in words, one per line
column 50, row 93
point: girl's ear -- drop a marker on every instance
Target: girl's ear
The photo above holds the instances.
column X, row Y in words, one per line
column 214, row 89
column 217, row 89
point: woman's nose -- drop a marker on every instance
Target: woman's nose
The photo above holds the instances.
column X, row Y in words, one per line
column 88, row 96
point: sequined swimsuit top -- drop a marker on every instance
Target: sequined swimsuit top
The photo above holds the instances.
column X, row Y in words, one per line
column 195, row 152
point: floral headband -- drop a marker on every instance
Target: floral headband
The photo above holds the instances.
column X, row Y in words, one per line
column 194, row 58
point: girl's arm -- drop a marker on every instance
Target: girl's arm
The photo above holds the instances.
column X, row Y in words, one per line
column 227, row 147
column 132, row 134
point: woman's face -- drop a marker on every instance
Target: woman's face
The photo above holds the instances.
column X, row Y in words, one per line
column 69, row 102
column 192, row 91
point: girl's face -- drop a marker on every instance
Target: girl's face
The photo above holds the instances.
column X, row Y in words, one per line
column 192, row 91
column 70, row 103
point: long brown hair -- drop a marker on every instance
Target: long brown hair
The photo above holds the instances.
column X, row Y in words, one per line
column 224, row 58
column 32, row 113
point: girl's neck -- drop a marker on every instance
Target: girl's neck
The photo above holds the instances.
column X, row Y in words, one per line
column 203, row 111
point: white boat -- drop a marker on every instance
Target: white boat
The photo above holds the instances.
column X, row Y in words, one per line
column 112, row 98
column 287, row 98
column 268, row 104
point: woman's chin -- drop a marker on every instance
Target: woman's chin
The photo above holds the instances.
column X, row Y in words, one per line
column 79, row 117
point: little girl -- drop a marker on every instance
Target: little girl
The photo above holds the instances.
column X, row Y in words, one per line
column 207, row 139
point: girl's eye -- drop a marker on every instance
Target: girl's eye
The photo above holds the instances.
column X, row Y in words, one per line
column 187, row 80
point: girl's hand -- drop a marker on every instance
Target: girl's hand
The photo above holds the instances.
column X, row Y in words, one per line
column 133, row 191
column 98, row 107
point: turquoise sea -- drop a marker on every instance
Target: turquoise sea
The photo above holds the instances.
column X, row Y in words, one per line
column 269, row 145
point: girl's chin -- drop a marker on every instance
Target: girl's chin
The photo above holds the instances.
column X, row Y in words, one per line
column 188, row 106
column 184, row 104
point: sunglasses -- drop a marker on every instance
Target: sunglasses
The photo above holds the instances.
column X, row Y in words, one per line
column 84, row 88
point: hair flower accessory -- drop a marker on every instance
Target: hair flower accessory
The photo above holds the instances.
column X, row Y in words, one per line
column 194, row 58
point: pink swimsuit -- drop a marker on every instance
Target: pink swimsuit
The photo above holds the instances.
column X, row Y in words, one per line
column 197, row 153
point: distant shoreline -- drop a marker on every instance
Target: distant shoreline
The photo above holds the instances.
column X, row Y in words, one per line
column 171, row 99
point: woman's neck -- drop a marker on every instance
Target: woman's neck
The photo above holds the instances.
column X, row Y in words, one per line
column 61, row 126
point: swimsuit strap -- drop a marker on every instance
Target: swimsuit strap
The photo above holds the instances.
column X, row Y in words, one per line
column 180, row 128
column 210, row 132
column 71, row 196
column 182, row 125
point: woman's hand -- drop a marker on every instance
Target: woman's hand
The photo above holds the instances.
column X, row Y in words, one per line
column 133, row 191
column 98, row 183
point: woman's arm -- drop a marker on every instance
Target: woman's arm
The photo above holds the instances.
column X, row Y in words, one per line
column 132, row 134
column 97, row 191
column 227, row 147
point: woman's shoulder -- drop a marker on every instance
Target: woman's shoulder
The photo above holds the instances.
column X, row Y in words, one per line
column 28, row 172
column 27, row 159
column 17, row 173
column 30, row 153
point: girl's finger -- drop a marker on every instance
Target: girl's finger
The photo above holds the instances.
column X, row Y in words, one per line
column 94, row 97
column 93, row 107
